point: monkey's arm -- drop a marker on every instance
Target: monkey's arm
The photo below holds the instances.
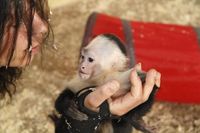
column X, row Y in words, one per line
column 76, row 83
column 124, row 79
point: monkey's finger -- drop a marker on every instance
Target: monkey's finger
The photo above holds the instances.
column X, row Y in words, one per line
column 102, row 93
column 151, row 79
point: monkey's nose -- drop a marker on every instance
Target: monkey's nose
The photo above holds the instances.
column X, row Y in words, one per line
column 83, row 67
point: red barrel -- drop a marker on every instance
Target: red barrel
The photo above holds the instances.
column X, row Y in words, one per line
column 173, row 50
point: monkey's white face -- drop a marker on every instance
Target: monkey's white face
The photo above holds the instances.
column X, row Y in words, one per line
column 100, row 55
column 87, row 64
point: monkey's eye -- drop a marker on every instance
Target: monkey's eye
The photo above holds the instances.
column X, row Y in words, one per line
column 82, row 57
column 90, row 59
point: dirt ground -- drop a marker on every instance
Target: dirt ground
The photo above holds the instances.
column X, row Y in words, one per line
column 42, row 82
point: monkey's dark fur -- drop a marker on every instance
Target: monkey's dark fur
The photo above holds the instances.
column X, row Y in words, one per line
column 65, row 104
column 122, row 125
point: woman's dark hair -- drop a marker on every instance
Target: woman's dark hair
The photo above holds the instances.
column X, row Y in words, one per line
column 13, row 13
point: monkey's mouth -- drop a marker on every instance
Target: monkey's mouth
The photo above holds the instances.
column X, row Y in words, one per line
column 81, row 72
column 83, row 75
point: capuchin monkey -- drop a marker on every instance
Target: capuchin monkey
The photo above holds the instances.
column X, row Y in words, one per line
column 102, row 60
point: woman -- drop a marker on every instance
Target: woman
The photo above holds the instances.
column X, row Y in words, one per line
column 24, row 26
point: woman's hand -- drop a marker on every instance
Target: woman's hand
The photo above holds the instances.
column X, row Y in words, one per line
column 137, row 95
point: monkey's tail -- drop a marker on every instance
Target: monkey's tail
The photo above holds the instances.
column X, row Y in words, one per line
column 54, row 118
column 59, row 123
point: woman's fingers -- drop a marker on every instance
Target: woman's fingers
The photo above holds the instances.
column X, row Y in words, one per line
column 138, row 93
column 150, row 81
column 133, row 98
column 102, row 93
column 138, row 67
column 136, row 88
column 158, row 79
